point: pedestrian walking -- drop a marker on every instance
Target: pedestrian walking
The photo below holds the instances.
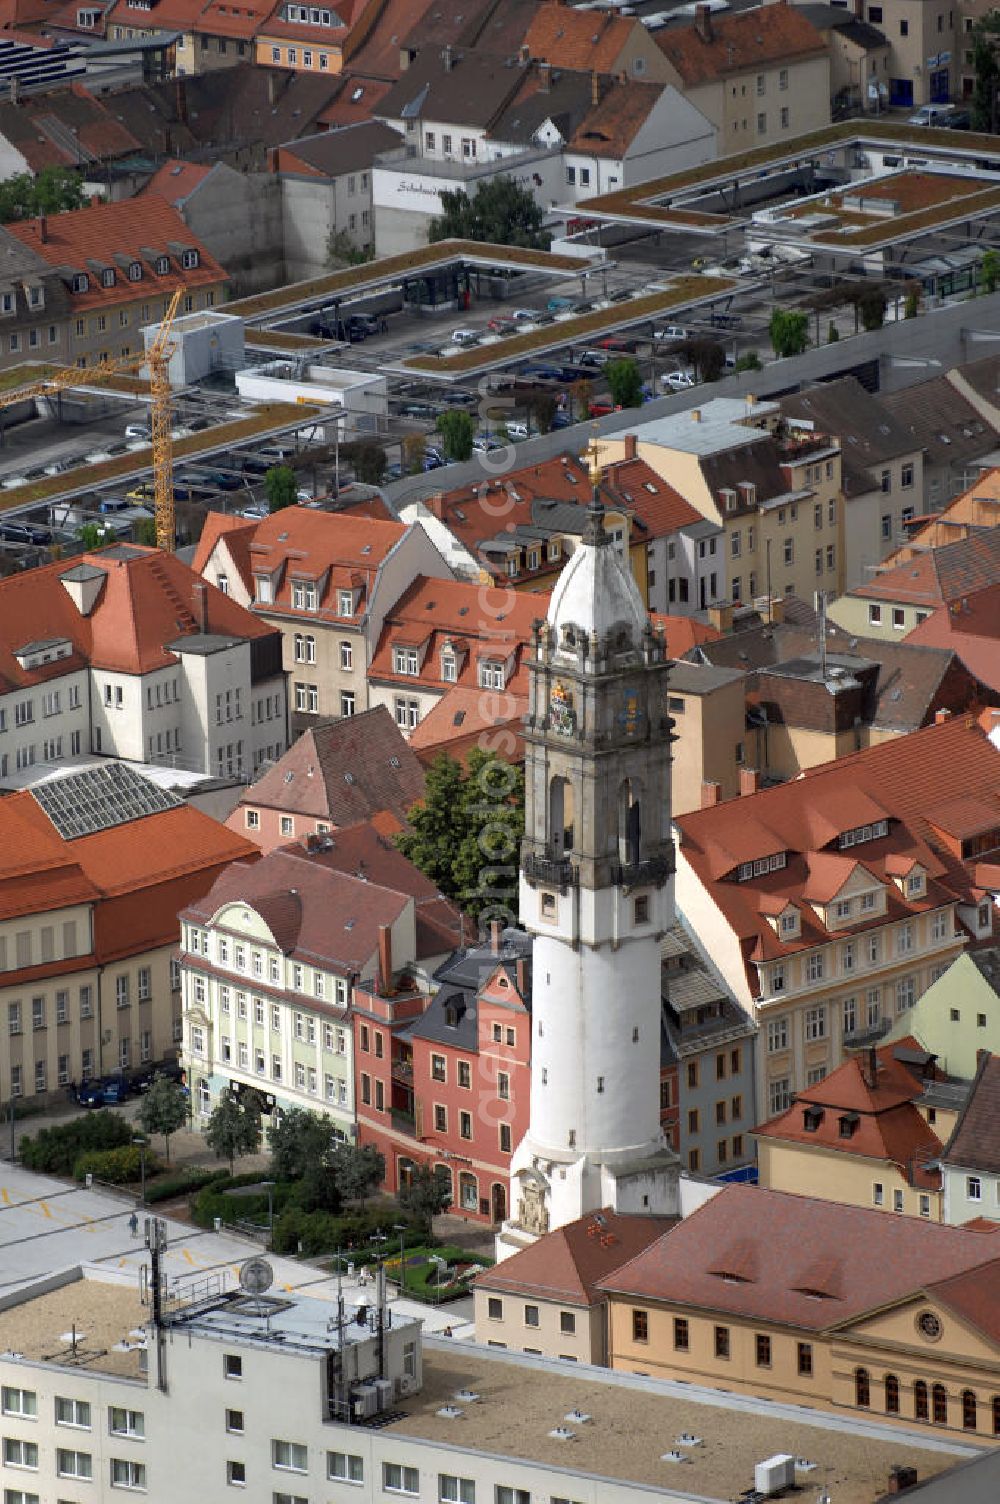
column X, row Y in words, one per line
column 133, row 1225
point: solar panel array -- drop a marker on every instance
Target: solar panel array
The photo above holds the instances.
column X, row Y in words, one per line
column 97, row 798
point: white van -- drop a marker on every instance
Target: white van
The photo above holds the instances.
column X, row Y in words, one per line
column 932, row 114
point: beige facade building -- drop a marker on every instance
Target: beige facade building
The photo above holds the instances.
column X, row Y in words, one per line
column 708, row 709
column 959, row 1014
column 544, row 1300
column 809, row 1302
column 326, row 582
column 761, row 77
column 96, row 865
column 830, row 903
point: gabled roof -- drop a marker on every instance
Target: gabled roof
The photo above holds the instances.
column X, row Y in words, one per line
column 64, row 127
column 343, row 771
column 869, row 434
column 867, row 1259
column 943, row 575
column 971, row 631
column 238, row 533
column 466, row 88
column 332, row 153
column 176, row 180
column 103, row 234
column 942, row 422
column 455, row 724
column 610, row 126
column 568, row 38
column 768, row 34
column 649, row 497
column 334, row 551
column 566, row 1265
column 975, row 1138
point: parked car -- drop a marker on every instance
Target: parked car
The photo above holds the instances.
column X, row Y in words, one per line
column 138, row 431
column 221, row 480
column 59, row 467
column 601, row 409
column 525, row 315
column 932, row 114
column 618, row 345
column 24, row 532
column 501, row 323
column 11, row 482
column 109, row 504
column 677, row 381
column 466, row 336
column 725, row 320
column 672, row 333
column 563, row 420
column 559, row 305
column 517, row 429
column 106, row 1092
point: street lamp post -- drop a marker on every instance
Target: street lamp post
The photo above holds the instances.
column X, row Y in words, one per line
column 140, row 1141
column 400, row 1227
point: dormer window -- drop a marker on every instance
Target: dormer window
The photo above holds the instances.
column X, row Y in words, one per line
column 862, row 833
column 108, row 278
column 263, row 589
column 811, row 1118
column 748, row 493
column 8, row 302
column 190, row 260
column 162, row 265
column 345, row 603
column 553, row 552
column 36, row 296
column 842, row 908
column 305, row 596
column 761, row 866
column 491, row 674
column 449, row 667
column 135, row 271
column 81, row 282
column 916, row 884
column 727, row 497
column 848, row 1124
column 405, row 661
column 790, row 924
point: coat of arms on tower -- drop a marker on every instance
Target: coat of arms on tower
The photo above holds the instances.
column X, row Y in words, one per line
column 562, row 716
column 630, row 715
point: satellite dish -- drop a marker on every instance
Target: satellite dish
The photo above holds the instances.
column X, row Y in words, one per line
column 256, row 1276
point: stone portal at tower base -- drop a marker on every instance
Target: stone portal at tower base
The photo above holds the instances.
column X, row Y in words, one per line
column 546, row 1194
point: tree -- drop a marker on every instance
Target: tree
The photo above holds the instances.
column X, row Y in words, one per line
column 91, row 535
column 457, row 432
column 625, row 381
column 789, row 331
column 318, row 1189
column 414, row 450
column 989, row 270
column 832, row 334
column 749, row 361
column 466, row 832
column 581, row 394
column 543, row 409
column 987, row 70
column 912, row 305
column 357, row 1170
column 297, row 1140
column 706, row 355
column 872, row 305
column 341, row 250
column 499, row 211
column 25, row 196
column 425, row 1196
column 234, row 1128
column 368, row 460
column 281, row 487
column 164, row 1109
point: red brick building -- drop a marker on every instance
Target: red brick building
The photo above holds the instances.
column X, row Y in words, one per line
column 445, row 1081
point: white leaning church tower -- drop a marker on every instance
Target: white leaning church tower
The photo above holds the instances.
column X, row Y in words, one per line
column 595, row 892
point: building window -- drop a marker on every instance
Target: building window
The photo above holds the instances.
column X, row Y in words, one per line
column 921, row 1410
column 236, row 1474
column 973, row 1188
column 862, row 1388
column 722, row 1342
column 762, row 1350
column 291, row 1456
column 232, row 1366
column 891, row 1394
column 968, row 1410
column 939, row 1397
column 346, row 1466
column 397, row 1479
column 681, row 1334
column 640, row 1326
column 779, row 1096
column 531, row 1316
column 567, row 1323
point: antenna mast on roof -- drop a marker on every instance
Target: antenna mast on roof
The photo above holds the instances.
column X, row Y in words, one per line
column 822, row 634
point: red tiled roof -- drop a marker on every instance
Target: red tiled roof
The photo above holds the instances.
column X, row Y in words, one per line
column 311, row 778
column 973, row 1296
column 748, row 39
column 463, row 714
column 683, row 633
column 569, row 38
column 165, row 15
column 89, row 128
column 905, row 777
column 176, row 180
column 888, row 1127
column 478, row 620
column 971, row 629
column 609, row 129
column 128, row 228
column 566, row 1265
column 356, row 101
column 662, row 508
column 869, row 1259
column 243, row 19
column 951, row 574
column 238, row 534
column 336, row 551
column 975, row 1140
column 146, row 601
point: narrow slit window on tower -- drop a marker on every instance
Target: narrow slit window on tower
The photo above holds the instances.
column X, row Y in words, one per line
column 600, row 1083
column 629, row 824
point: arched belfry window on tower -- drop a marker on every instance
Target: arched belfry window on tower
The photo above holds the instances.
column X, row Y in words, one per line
column 560, row 830
column 629, row 823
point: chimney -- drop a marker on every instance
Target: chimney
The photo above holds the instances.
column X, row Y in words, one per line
column 385, row 959
column 524, row 55
column 43, row 228
column 703, row 22
column 522, row 976
column 900, row 1478
column 631, row 446
column 496, row 930
column 749, row 781
column 869, row 1068
column 201, row 605
column 435, row 505
column 696, row 415
column 940, row 716
column 710, row 795
column 595, row 89
column 544, row 77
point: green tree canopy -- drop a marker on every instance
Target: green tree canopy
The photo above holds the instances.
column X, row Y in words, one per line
column 789, row 331
column 414, row 450
column 24, row 196
column 234, row 1127
column 298, row 1139
column 989, row 269
column 985, row 100
column 281, row 487
column 466, row 833
column 367, row 459
column 457, row 433
column 425, row 1196
column 625, row 382
column 164, row 1109
column 499, row 211
column 357, row 1170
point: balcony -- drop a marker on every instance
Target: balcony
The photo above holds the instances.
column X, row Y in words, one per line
column 551, row 872
column 403, row 1121
column 654, row 871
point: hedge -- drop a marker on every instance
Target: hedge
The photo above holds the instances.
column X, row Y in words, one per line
column 118, row 1166
column 55, row 1151
column 183, row 1184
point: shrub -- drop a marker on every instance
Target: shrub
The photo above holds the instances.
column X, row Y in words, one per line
column 184, row 1184
column 115, row 1166
column 55, row 1151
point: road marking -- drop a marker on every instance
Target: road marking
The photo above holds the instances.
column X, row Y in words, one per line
column 189, row 1256
column 45, row 1209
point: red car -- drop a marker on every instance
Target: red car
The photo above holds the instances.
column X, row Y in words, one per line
column 618, row 345
column 602, row 409
column 501, row 324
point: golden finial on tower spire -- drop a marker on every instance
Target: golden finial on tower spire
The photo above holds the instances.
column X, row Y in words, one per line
column 593, row 458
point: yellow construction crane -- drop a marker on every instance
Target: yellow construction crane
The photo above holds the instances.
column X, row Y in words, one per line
column 157, row 358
